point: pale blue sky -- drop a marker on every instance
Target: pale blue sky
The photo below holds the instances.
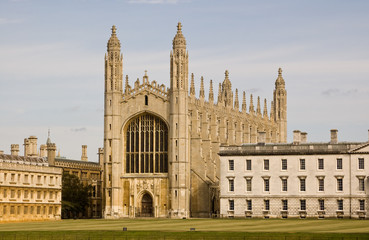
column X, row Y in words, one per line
column 52, row 60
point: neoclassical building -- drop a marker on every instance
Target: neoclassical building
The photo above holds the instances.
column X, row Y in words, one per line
column 300, row 179
column 161, row 144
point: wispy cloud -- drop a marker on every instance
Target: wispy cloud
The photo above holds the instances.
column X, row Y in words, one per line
column 4, row 21
column 155, row 1
column 339, row 92
column 82, row 129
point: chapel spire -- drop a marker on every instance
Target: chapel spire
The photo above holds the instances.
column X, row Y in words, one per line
column 244, row 102
column 265, row 113
column 202, row 91
column 251, row 107
column 258, row 109
column 236, row 103
column 211, row 94
column 192, row 87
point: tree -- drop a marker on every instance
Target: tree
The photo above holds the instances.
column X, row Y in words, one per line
column 75, row 196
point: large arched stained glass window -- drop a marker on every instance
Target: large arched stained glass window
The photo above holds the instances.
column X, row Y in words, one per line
column 146, row 145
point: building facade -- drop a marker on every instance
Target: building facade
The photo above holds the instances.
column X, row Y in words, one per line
column 161, row 144
column 295, row 180
column 30, row 188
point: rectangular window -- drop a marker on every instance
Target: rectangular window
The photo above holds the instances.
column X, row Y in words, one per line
column 284, row 164
column 361, row 163
column 361, row 184
column 5, row 193
column 284, row 205
column 266, row 205
column 320, row 163
column 231, row 185
column 340, row 205
column 230, row 165
column 321, row 204
column 25, row 209
column 339, row 184
column 25, row 193
column 266, row 164
column 248, row 185
column 303, row 205
column 231, row 205
column 248, row 164
column 339, row 163
column 266, row 185
column 302, row 184
column 26, row 178
column 302, row 164
column 362, row 205
column 249, row 205
column 321, row 185
column 284, row 185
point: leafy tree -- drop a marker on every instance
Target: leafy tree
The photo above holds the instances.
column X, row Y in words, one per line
column 75, row 196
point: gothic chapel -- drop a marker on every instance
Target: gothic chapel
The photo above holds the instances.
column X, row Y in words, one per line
column 161, row 144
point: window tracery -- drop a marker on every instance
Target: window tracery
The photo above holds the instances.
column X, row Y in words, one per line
column 146, row 145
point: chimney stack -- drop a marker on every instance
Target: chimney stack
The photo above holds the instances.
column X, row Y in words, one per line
column 51, row 152
column 296, row 137
column 334, row 137
column 14, row 149
column 43, row 150
column 100, row 154
column 303, row 137
column 84, row 153
column 261, row 138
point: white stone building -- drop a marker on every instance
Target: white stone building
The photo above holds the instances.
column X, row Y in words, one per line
column 299, row 179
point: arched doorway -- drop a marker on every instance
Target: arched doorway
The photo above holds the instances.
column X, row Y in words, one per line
column 146, row 206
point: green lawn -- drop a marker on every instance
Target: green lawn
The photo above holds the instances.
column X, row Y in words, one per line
column 180, row 229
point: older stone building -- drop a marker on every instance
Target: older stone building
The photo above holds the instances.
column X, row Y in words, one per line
column 299, row 179
column 90, row 173
column 30, row 188
column 161, row 144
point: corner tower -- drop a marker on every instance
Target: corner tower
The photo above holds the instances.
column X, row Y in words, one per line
column 112, row 123
column 179, row 167
column 280, row 107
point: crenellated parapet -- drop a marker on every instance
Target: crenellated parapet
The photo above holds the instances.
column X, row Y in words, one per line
column 145, row 87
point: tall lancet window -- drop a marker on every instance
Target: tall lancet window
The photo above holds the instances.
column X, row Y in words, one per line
column 146, row 145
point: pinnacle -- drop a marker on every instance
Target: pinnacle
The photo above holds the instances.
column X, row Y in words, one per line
column 113, row 30
column 179, row 27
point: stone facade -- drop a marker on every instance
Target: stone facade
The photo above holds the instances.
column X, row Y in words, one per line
column 161, row 144
column 30, row 188
column 295, row 180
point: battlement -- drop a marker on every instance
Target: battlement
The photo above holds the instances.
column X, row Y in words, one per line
column 153, row 87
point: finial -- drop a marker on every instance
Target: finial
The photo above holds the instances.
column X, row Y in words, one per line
column 236, row 103
column 113, row 30
column 48, row 141
column 265, row 112
column 179, row 27
column 220, row 93
column 244, row 102
column 145, row 73
column 280, row 72
column 192, row 87
column 211, row 94
column 226, row 73
column 258, row 110
column 48, row 133
column 251, row 107
column 202, row 91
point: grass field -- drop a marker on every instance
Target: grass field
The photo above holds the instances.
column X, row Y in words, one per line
column 180, row 229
